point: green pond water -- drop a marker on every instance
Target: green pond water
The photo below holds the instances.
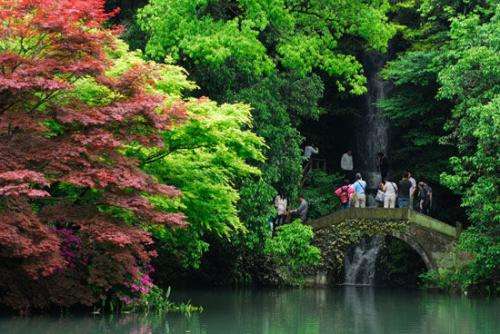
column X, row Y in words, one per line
column 309, row 311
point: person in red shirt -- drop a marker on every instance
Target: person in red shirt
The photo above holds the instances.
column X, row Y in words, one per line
column 344, row 193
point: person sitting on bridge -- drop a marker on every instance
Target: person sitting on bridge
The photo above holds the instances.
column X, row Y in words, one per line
column 344, row 194
column 390, row 192
column 359, row 196
column 425, row 197
column 301, row 211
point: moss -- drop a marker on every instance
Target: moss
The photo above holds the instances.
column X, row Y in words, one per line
column 334, row 240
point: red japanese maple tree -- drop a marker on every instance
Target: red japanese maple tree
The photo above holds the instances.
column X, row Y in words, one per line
column 52, row 141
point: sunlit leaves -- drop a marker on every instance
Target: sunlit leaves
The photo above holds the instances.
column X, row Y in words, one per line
column 257, row 36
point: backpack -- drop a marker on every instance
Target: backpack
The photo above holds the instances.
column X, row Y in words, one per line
column 344, row 193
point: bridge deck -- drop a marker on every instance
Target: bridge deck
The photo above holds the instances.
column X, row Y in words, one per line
column 385, row 214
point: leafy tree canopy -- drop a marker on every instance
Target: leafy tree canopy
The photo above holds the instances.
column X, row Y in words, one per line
column 256, row 36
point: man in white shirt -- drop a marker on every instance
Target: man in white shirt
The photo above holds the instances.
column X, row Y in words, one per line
column 347, row 164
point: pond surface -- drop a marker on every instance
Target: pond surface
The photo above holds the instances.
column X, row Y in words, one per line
column 308, row 311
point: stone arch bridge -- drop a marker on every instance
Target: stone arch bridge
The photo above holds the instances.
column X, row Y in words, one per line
column 429, row 237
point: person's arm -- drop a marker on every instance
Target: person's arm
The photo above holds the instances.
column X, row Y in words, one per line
column 301, row 207
column 338, row 191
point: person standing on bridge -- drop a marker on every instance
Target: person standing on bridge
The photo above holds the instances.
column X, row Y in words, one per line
column 390, row 192
column 425, row 198
column 404, row 191
column 344, row 193
column 413, row 189
column 347, row 165
column 359, row 192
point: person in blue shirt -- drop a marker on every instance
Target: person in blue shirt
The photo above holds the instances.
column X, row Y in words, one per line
column 359, row 192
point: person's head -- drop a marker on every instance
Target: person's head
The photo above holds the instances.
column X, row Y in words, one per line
column 358, row 176
column 406, row 175
column 345, row 182
column 349, row 152
column 302, row 198
column 409, row 173
column 421, row 184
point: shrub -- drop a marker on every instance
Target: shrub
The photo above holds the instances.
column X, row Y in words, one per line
column 292, row 252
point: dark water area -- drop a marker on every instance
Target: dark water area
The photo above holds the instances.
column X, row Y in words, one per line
column 296, row 311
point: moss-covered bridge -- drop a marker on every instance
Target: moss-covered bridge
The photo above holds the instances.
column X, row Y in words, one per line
column 429, row 237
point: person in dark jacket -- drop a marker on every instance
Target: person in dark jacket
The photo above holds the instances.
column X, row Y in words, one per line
column 404, row 187
column 383, row 165
column 425, row 197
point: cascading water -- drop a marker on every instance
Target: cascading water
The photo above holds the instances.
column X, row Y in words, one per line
column 373, row 137
column 359, row 265
column 373, row 129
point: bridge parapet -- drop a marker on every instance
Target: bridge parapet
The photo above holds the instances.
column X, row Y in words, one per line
column 431, row 238
column 381, row 214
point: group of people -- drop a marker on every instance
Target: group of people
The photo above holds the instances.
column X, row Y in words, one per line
column 353, row 191
column 389, row 194
column 285, row 215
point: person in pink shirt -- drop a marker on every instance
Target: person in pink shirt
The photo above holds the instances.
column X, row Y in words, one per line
column 344, row 193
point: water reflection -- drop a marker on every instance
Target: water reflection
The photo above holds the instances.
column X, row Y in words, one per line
column 307, row 311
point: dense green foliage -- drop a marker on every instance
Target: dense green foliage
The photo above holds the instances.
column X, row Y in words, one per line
column 319, row 191
column 472, row 266
column 447, row 96
column 256, row 37
column 275, row 56
column 206, row 157
column 111, row 158
column 291, row 250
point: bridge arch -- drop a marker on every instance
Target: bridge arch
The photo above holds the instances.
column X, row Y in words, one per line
column 426, row 258
column 429, row 237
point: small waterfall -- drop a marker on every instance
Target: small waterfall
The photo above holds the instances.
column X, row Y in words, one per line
column 360, row 262
column 373, row 127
